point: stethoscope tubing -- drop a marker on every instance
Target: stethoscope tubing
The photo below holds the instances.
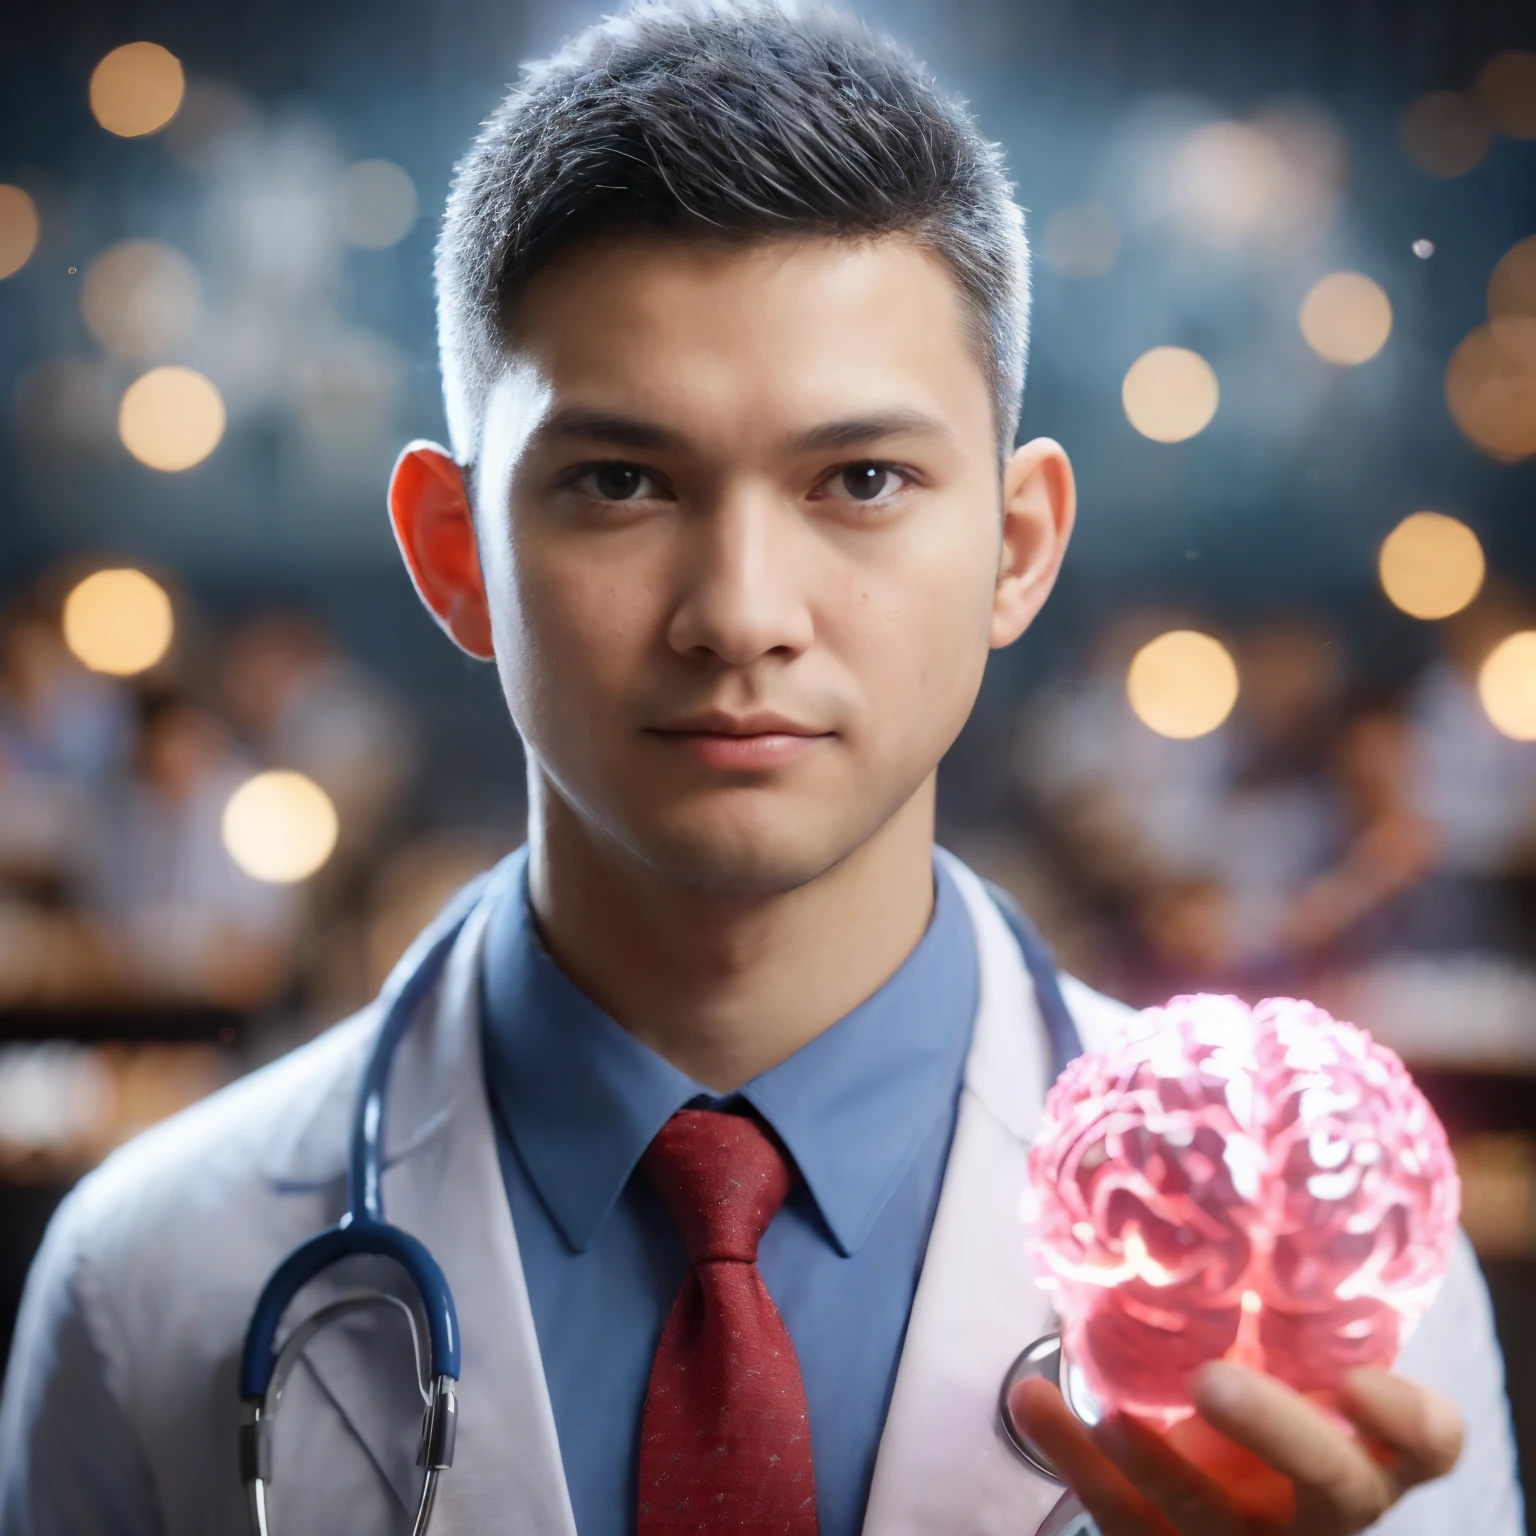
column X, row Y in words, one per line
column 409, row 986
column 362, row 1230
column 1060, row 1031
column 350, row 1239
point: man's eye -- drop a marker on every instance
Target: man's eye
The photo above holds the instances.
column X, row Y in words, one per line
column 617, row 482
column 867, row 481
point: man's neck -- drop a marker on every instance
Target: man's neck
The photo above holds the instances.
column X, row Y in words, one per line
column 726, row 986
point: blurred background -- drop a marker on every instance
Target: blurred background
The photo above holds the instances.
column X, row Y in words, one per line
column 1276, row 732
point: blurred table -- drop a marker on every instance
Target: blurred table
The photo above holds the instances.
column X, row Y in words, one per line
column 170, row 1022
column 74, row 1083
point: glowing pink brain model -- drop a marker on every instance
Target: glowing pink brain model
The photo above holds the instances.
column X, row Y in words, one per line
column 1263, row 1184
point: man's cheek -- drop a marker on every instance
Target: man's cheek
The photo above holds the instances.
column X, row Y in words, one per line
column 573, row 624
column 920, row 650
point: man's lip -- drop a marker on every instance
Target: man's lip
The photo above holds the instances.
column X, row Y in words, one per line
column 718, row 723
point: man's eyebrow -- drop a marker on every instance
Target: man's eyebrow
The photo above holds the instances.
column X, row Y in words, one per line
column 856, row 431
column 622, row 431
column 609, row 427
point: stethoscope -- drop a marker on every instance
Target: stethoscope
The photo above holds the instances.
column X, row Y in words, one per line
column 363, row 1232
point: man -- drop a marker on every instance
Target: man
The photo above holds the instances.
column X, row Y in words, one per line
column 717, row 1119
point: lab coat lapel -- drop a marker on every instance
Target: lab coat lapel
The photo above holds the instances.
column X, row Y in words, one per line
column 944, row 1467
column 444, row 1185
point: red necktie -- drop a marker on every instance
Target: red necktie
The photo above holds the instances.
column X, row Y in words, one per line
column 725, row 1444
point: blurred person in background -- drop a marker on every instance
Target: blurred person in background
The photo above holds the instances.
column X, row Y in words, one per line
column 1369, row 899
column 64, row 733
column 115, row 882
column 192, row 924
column 298, row 702
column 57, row 717
column 1428, row 916
column 1195, row 847
column 302, row 704
column 1132, row 806
column 1279, row 815
column 1475, row 786
column 1272, row 824
column 729, row 1076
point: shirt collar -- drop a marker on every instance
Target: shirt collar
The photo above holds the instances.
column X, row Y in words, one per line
column 581, row 1098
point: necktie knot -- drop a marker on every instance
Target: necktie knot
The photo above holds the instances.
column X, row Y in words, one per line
column 722, row 1179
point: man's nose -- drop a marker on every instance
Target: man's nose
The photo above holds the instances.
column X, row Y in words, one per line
column 743, row 582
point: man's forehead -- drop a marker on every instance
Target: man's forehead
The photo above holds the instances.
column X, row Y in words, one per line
column 813, row 330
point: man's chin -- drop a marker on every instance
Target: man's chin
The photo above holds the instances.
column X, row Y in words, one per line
column 750, row 862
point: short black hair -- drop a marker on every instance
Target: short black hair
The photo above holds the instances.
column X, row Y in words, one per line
column 719, row 119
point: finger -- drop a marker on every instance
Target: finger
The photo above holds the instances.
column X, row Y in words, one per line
column 1420, row 1429
column 1264, row 1497
column 1106, row 1494
column 1340, row 1489
column 1193, row 1503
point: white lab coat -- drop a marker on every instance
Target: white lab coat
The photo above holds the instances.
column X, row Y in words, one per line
column 120, row 1407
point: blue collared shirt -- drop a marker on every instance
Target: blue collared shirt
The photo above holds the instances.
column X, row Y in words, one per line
column 867, row 1110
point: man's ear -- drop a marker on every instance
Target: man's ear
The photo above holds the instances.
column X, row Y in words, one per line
column 435, row 529
column 1039, row 508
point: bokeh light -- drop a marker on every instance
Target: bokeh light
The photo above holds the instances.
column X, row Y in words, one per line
column 1445, row 134
column 1491, row 392
column 1506, row 684
column 1346, row 318
column 1431, row 566
column 171, row 418
column 19, row 227
column 1080, row 241
column 136, row 89
column 279, row 827
column 1227, row 179
column 1170, row 394
column 119, row 622
column 1268, row 183
column 378, row 204
column 1182, row 684
column 1506, row 89
column 1512, row 303
column 1512, row 285
column 139, row 298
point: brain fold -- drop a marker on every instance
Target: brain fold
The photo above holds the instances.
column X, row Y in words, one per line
column 1263, row 1184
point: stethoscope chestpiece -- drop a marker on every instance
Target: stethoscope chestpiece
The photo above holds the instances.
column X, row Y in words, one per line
column 1043, row 1360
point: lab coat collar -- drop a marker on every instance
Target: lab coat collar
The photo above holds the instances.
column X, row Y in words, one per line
column 944, row 1467
column 449, row 1192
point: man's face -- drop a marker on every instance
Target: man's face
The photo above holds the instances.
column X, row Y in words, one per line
column 738, row 513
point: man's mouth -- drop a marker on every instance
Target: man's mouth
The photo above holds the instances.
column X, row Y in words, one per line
column 743, row 743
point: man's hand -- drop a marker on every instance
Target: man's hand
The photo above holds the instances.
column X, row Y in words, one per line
column 1278, row 1466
